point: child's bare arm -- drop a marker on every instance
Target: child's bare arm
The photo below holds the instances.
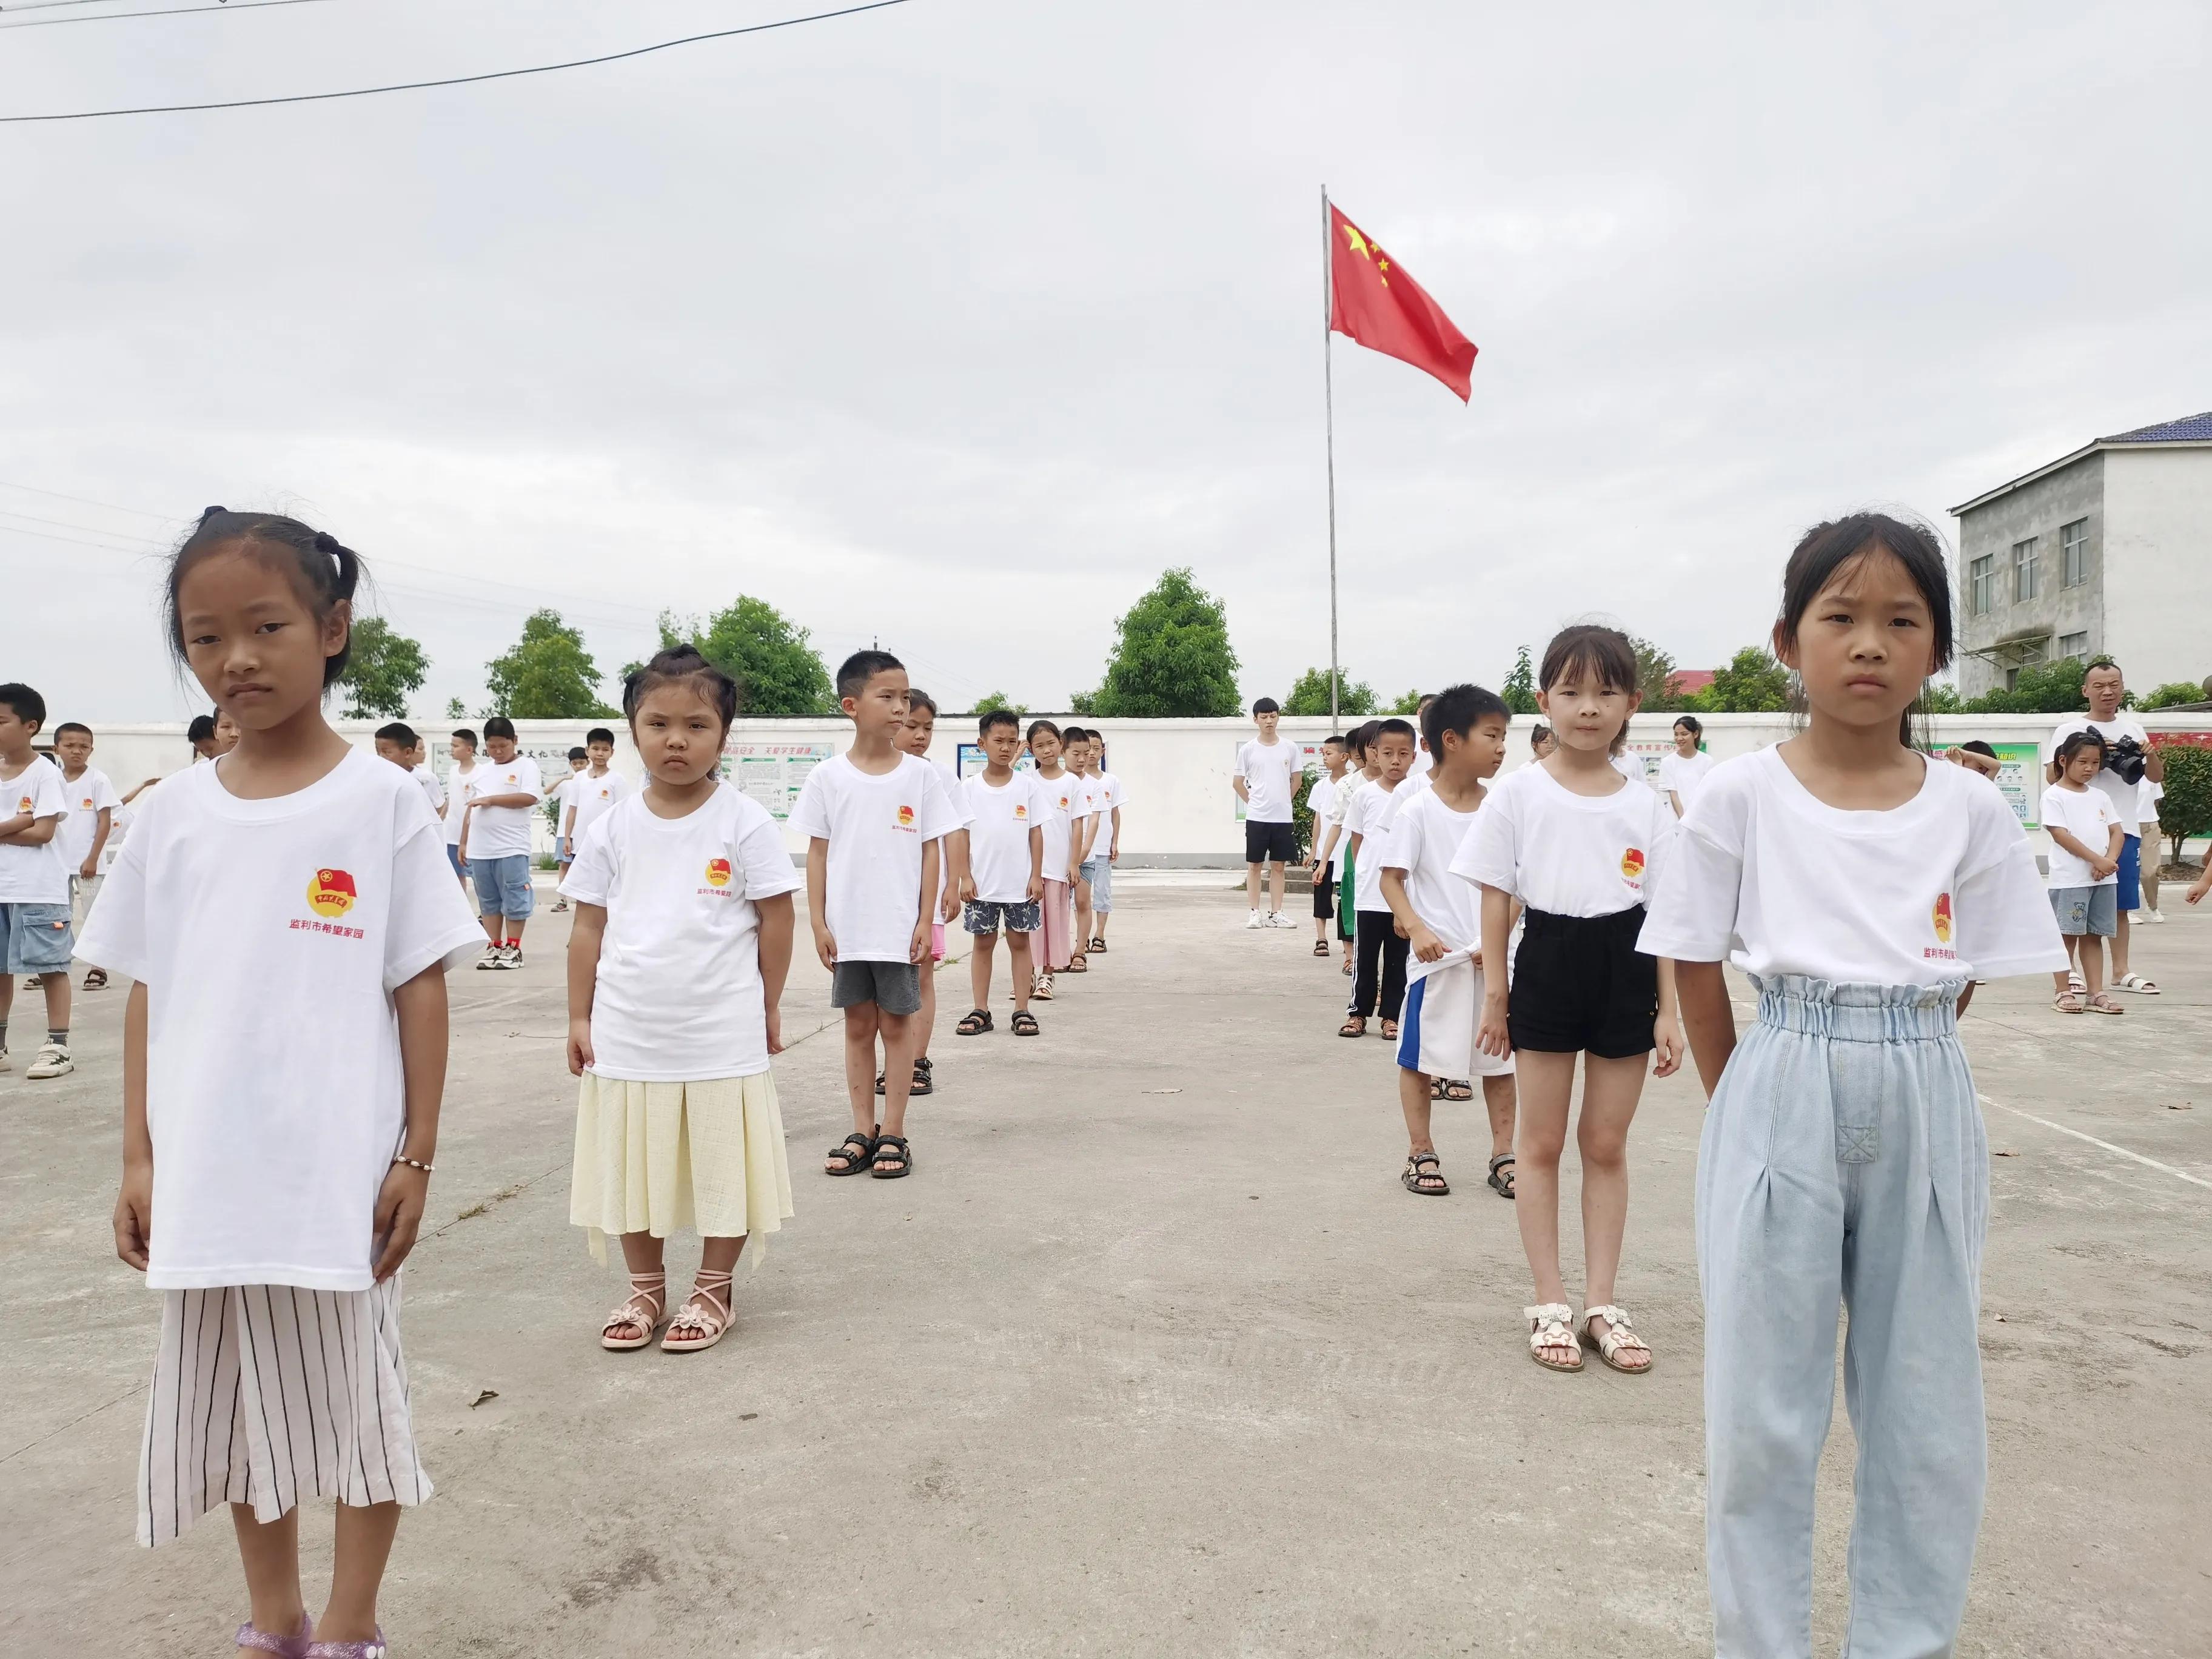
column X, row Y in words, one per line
column 925, row 913
column 1493, row 1036
column 773, row 934
column 134, row 1204
column 818, row 916
column 1708, row 1017
column 1666, row 1028
column 1420, row 937
column 1036, row 888
column 586, row 935
column 421, row 1005
column 106, row 821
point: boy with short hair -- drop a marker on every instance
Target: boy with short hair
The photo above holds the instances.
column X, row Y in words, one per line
column 35, row 934
column 1062, row 857
column 463, row 748
column 874, row 818
column 593, row 791
column 1381, row 951
column 1082, row 828
column 496, row 841
column 1442, row 917
column 1005, row 811
column 93, row 803
column 562, row 795
column 398, row 744
column 1321, row 800
column 1106, row 797
column 914, row 737
column 1266, row 778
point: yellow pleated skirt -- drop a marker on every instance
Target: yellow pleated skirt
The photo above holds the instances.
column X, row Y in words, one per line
column 662, row 1158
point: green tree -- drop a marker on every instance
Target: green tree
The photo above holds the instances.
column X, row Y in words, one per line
column 2185, row 809
column 1752, row 683
column 1310, row 695
column 1083, row 702
column 1171, row 657
column 1408, row 703
column 2171, row 693
column 991, row 702
column 456, row 709
column 1941, row 697
column 1520, row 688
column 2040, row 688
column 776, row 667
column 547, row 675
column 1655, row 676
column 383, row 667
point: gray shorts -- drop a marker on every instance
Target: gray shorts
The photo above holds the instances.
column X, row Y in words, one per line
column 893, row 987
column 2093, row 911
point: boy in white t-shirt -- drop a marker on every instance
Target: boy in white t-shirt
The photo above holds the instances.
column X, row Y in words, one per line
column 1080, row 750
column 463, row 748
column 592, row 792
column 495, row 842
column 1005, row 811
column 874, row 819
column 84, row 836
column 35, row 935
column 914, row 737
column 1097, row 867
column 1266, row 778
column 1321, row 802
column 559, row 797
column 1442, row 918
column 2087, row 837
column 1379, row 985
column 1062, row 857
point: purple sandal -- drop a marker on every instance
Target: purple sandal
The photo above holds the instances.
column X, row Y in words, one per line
column 293, row 1647
column 347, row 1649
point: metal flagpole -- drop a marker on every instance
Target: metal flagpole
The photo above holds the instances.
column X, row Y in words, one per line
column 1328, row 407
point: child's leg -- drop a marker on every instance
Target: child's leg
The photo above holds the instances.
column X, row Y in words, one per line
column 1080, row 946
column 861, row 1024
column 2093, row 962
column 1275, row 873
column 1368, row 940
column 1546, row 1081
column 1413, row 1100
column 924, row 1018
column 270, row 1555
column 898, row 1068
column 1498, row 1099
column 491, row 921
column 361, row 1547
column 1251, row 888
column 980, row 948
column 58, row 1000
column 1611, row 1089
column 1018, row 966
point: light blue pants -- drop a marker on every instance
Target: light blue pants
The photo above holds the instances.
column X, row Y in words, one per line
column 1844, row 1162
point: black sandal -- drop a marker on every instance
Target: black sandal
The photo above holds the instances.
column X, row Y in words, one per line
column 1321, row 948
column 1457, row 1088
column 890, row 1165
column 1099, row 946
column 1436, row 1088
column 854, row 1164
column 1024, row 1022
column 922, row 1084
column 974, row 1023
column 1501, row 1179
column 1424, row 1175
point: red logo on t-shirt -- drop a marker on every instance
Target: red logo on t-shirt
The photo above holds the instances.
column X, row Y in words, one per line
column 24, row 805
column 1631, row 866
column 1021, row 814
column 1942, row 918
column 331, row 893
column 905, row 816
column 718, row 873
column 87, row 803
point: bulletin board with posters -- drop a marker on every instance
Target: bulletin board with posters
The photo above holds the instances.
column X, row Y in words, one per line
column 971, row 760
column 1309, row 761
column 2019, row 780
column 773, row 773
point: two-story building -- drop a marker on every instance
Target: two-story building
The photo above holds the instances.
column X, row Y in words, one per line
column 2106, row 551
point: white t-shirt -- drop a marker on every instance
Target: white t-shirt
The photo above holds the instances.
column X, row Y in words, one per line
column 1321, row 801
column 1682, row 773
column 1082, row 807
column 433, row 791
column 457, row 801
column 86, row 797
column 592, row 798
column 1423, row 761
column 2088, row 816
column 1269, row 771
column 1107, row 796
column 499, row 832
column 998, row 823
column 1424, row 839
column 876, row 827
column 270, row 936
column 678, row 996
column 1630, row 765
column 39, row 874
column 949, row 780
column 1565, row 854
column 1941, row 888
column 1373, row 805
column 1058, row 822
column 2132, row 802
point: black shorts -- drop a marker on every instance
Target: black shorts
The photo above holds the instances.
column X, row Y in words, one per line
column 1325, row 892
column 1269, row 843
column 1580, row 984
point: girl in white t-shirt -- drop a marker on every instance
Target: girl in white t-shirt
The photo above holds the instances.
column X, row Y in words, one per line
column 1682, row 772
column 2087, row 838
column 1863, row 887
column 1579, row 848
column 677, row 961
column 284, row 916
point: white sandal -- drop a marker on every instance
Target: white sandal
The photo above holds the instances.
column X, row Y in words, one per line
column 1620, row 1335
column 705, row 1311
column 647, row 1305
column 2134, row 982
column 1551, row 1325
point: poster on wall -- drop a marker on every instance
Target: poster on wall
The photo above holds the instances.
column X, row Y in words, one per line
column 2019, row 780
column 773, row 773
column 1309, row 761
column 970, row 761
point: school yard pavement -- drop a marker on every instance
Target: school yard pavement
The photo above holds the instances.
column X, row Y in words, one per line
column 1152, row 1356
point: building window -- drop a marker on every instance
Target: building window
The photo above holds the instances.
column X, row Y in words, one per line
column 2023, row 570
column 2074, row 542
column 1983, row 574
column 2074, row 644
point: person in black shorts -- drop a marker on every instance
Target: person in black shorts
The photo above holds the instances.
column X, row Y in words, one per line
column 1266, row 780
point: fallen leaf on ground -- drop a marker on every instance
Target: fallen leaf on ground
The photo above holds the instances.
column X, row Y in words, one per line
column 1163, row 1091
column 481, row 1395
column 2008, row 1154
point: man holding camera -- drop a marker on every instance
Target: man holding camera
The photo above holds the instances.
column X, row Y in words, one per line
column 2131, row 767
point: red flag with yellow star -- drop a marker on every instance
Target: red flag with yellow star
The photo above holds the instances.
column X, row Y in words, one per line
column 1373, row 300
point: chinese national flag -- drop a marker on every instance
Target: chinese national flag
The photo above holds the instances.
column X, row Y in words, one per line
column 1374, row 301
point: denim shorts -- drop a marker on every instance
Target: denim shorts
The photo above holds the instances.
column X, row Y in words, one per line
column 2086, row 910
column 35, row 938
column 1099, row 873
column 503, row 886
column 981, row 917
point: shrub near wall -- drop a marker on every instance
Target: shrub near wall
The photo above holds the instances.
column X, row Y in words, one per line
column 2185, row 809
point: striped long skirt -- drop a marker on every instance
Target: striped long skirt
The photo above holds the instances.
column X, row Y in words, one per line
column 270, row 1395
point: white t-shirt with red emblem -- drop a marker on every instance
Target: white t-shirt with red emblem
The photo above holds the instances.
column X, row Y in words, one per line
column 270, row 936
column 999, row 819
column 1565, row 854
column 678, row 997
column 877, row 825
column 592, row 798
column 1766, row 876
column 87, row 794
column 1058, row 822
column 35, row 873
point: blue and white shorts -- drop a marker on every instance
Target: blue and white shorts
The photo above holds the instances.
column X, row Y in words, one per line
column 981, row 917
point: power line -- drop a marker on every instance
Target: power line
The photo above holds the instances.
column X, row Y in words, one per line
column 112, row 16
column 458, row 80
column 86, row 500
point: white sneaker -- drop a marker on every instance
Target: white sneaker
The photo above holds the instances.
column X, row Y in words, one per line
column 2154, row 914
column 1277, row 919
column 4, row 1065
column 491, row 958
column 511, row 956
column 1252, row 919
column 51, row 1060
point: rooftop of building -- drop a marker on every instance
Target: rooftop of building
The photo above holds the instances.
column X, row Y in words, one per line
column 2187, row 430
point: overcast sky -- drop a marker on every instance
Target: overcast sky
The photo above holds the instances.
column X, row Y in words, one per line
column 953, row 324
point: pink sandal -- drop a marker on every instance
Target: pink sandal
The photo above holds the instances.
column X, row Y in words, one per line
column 260, row 1641
column 646, row 1307
column 705, row 1314
column 373, row 1649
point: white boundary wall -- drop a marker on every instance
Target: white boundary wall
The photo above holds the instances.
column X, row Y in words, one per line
column 1181, row 811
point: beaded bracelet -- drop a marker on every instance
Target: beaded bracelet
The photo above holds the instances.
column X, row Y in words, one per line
column 415, row 1163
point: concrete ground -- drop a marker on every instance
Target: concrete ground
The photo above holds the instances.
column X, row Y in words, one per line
column 1152, row 1355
